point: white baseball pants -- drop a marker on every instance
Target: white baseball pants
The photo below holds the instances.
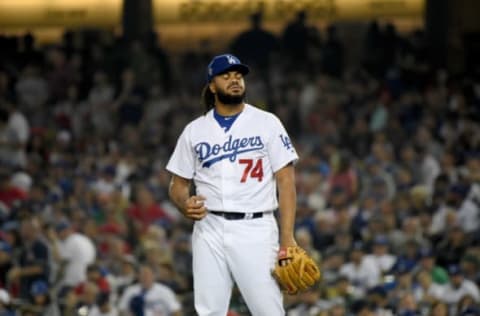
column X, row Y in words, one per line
column 241, row 251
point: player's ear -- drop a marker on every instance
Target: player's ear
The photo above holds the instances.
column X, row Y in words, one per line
column 212, row 87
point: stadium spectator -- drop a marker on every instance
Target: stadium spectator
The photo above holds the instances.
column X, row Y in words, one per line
column 148, row 297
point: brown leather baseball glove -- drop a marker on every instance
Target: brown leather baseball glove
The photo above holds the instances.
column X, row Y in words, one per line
column 295, row 270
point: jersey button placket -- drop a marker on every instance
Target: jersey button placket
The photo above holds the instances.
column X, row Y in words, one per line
column 224, row 184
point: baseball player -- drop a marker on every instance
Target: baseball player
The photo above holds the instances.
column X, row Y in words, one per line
column 237, row 157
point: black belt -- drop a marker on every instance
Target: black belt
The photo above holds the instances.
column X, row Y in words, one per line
column 235, row 215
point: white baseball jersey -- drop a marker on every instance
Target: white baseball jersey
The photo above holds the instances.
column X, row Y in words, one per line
column 159, row 300
column 234, row 169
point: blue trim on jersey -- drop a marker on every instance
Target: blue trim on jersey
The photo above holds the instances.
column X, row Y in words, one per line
column 225, row 122
column 210, row 162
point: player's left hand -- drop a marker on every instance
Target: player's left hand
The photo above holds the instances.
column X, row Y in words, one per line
column 295, row 271
column 195, row 207
column 285, row 243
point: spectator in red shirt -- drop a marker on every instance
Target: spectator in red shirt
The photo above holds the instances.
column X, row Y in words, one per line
column 145, row 210
column 9, row 194
column 343, row 176
column 95, row 276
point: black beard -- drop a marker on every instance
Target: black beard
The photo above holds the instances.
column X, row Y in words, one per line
column 228, row 99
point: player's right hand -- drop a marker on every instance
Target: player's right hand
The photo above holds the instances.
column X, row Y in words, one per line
column 195, row 207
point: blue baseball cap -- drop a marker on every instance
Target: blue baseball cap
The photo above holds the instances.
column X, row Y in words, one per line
column 380, row 240
column 62, row 224
column 473, row 154
column 39, row 288
column 378, row 290
column 403, row 267
column 426, row 252
column 455, row 269
column 358, row 245
column 5, row 247
column 223, row 63
column 470, row 311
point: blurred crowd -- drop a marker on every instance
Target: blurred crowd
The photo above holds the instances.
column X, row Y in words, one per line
column 388, row 181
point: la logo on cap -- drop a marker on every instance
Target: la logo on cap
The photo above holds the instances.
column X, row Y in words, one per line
column 231, row 59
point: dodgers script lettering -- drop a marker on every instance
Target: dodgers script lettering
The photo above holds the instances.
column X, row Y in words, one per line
column 209, row 154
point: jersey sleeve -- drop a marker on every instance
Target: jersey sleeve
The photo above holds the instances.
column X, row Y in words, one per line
column 123, row 303
column 172, row 301
column 66, row 251
column 280, row 148
column 181, row 162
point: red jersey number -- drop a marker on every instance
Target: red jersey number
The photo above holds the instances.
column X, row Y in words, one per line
column 252, row 169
